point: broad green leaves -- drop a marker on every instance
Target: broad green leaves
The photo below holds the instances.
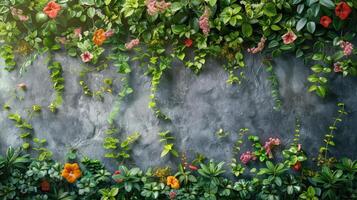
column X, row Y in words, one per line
column 231, row 15
column 270, row 10
column 247, row 29
column 301, row 24
column 327, row 3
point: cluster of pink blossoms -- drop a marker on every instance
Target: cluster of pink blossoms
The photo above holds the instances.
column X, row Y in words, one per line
column 247, row 156
column 133, row 43
column 154, row 6
column 259, row 47
column 204, row 22
column 347, row 47
column 270, row 144
column 19, row 14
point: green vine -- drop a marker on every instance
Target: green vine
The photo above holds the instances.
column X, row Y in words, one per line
column 7, row 53
column 274, row 82
column 323, row 157
column 168, row 146
column 57, row 79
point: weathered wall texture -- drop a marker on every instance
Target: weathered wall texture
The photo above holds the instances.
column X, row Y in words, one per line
column 197, row 105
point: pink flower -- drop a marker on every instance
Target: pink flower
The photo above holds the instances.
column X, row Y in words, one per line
column 247, row 156
column 86, row 56
column 347, row 47
column 154, row 6
column 259, row 48
column 337, row 67
column 270, row 144
column 204, row 22
column 172, row 195
column 109, row 33
column 78, row 33
column 289, row 37
column 192, row 167
column 19, row 14
column 62, row 40
column 299, row 147
column 133, row 43
column 52, row 9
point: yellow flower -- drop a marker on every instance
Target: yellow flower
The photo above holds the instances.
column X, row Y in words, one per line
column 173, row 182
column 71, row 172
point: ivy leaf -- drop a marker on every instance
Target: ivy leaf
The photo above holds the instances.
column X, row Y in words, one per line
column 311, row 26
column 270, row 10
column 247, row 29
column 301, row 23
column 327, row 3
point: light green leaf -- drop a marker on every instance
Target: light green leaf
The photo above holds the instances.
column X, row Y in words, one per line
column 247, row 29
column 91, row 12
column 311, row 26
column 301, row 23
column 327, row 3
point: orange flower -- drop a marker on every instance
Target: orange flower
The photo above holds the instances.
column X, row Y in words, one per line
column 173, row 182
column 52, row 9
column 99, row 37
column 71, row 172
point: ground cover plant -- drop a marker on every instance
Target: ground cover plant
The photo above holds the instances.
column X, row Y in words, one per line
column 114, row 33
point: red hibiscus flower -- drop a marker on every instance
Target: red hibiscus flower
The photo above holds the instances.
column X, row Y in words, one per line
column 343, row 10
column 52, row 9
column 117, row 173
column 188, row 42
column 45, row 186
column 297, row 166
column 289, row 37
column 325, row 21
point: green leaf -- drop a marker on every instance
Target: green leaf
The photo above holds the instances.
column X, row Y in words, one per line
column 91, row 12
column 327, row 3
column 321, row 91
column 270, row 10
column 107, row 2
column 247, row 29
column 87, row 2
column 300, row 8
column 318, row 56
column 275, row 27
column 212, row 2
column 300, row 24
column 273, row 44
column 311, row 27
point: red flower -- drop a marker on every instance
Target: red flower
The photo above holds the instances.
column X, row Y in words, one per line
column 343, row 10
column 325, row 21
column 297, row 166
column 188, row 42
column 193, row 168
column 45, row 186
column 117, row 173
column 52, row 9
